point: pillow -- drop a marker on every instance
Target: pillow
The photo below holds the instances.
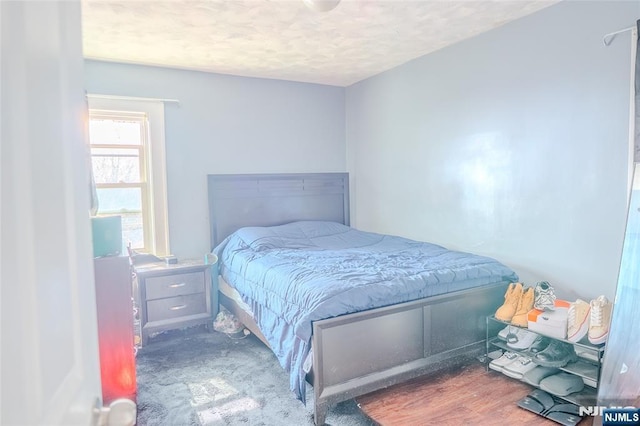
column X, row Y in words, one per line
column 295, row 235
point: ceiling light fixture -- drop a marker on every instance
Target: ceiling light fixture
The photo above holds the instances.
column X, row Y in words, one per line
column 321, row 5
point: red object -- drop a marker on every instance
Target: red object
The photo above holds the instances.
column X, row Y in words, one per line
column 115, row 328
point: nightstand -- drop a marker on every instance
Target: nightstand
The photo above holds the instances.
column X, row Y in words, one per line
column 175, row 296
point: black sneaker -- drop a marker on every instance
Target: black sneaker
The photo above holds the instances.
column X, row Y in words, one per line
column 539, row 344
column 557, row 354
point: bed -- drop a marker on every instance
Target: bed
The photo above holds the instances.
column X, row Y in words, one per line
column 285, row 247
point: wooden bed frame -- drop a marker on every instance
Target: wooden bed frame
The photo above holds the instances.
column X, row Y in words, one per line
column 357, row 353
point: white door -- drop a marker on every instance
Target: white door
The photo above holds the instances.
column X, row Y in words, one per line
column 50, row 368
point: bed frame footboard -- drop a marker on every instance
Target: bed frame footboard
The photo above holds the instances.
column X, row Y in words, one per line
column 358, row 353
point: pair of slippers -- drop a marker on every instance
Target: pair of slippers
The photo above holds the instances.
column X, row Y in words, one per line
column 540, row 402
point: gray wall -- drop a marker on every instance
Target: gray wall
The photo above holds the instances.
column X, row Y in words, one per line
column 228, row 124
column 513, row 144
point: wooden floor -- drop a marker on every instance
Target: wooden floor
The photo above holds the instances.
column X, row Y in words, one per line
column 467, row 395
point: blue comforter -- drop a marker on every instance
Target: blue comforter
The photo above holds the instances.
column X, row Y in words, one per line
column 294, row 274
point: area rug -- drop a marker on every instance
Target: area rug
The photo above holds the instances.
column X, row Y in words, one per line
column 195, row 377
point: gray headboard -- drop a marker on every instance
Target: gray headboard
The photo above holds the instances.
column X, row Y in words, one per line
column 236, row 201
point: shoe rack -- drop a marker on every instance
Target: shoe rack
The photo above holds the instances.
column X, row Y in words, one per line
column 587, row 366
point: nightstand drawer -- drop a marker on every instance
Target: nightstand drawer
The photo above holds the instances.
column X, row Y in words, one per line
column 175, row 307
column 175, row 285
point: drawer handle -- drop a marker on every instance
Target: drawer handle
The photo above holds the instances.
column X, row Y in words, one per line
column 178, row 307
column 177, row 285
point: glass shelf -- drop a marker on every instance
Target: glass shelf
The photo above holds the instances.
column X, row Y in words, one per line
column 586, row 367
column 584, row 343
column 583, row 368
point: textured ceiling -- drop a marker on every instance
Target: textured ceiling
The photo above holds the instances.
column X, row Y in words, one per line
column 283, row 39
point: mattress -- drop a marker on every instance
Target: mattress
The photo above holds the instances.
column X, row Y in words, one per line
column 232, row 293
column 294, row 274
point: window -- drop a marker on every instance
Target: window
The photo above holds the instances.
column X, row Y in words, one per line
column 127, row 155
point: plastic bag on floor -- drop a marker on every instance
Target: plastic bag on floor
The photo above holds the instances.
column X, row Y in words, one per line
column 227, row 323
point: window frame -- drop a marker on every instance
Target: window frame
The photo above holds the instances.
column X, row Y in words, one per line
column 153, row 165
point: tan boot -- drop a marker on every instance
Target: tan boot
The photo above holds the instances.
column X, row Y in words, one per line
column 525, row 305
column 511, row 300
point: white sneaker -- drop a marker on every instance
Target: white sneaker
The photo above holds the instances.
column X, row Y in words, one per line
column 508, row 333
column 599, row 320
column 519, row 368
column 506, row 359
column 523, row 340
column 545, row 297
column 578, row 320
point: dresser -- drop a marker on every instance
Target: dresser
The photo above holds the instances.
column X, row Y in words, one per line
column 174, row 296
